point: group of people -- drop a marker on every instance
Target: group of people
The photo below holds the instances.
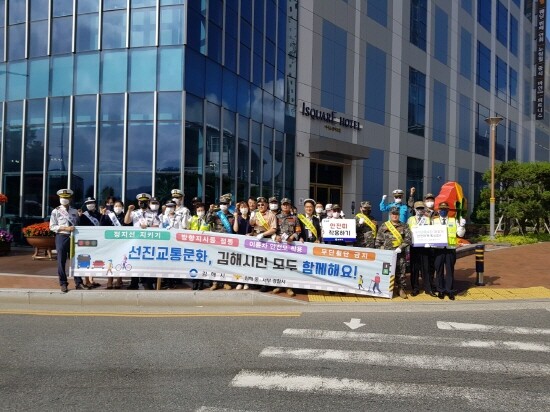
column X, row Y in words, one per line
column 269, row 218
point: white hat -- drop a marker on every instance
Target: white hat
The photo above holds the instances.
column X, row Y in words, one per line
column 65, row 193
column 328, row 206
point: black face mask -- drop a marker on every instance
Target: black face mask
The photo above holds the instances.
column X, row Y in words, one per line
column 366, row 211
column 109, row 207
column 143, row 205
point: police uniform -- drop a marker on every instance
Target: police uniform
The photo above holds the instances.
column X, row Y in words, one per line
column 420, row 255
column 403, row 208
column 366, row 227
column 90, row 217
column 183, row 214
column 171, row 220
column 61, row 218
column 387, row 240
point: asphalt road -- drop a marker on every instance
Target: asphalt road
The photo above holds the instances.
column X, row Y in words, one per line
column 309, row 362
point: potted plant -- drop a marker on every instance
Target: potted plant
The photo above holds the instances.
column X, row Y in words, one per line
column 5, row 242
column 40, row 236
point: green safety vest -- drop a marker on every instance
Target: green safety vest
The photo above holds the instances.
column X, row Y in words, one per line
column 451, row 231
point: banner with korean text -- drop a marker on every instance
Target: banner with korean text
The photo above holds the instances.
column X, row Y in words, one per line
column 129, row 252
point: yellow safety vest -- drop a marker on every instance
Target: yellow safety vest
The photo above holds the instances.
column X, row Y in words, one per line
column 451, row 231
column 194, row 224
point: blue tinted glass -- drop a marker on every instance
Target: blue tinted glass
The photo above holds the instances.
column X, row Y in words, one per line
column 484, row 13
column 62, row 34
column 140, row 134
column 214, row 82
column 114, row 4
column 196, row 31
column 502, row 23
column 194, row 146
column 229, row 90
column 501, row 80
column 171, row 25
column 270, row 52
column 333, row 71
column 500, row 149
column 246, row 10
column 440, row 112
column 34, row 152
column 215, row 11
column 279, row 115
column 114, row 30
column 215, row 42
column 84, row 109
column 482, row 131
column 231, row 53
column 112, row 108
column 270, row 23
column 213, row 149
column 62, row 76
column 170, row 2
column 514, row 41
column 467, row 6
column 465, row 53
column 258, row 43
column 84, row 143
column 231, row 23
column 269, row 78
column 16, row 42
column 194, row 72
column 38, row 40
column 87, row 73
column 258, row 70
column 246, row 34
column 2, row 42
column 527, row 57
column 518, row 2
column 111, row 135
column 143, row 70
column 512, row 141
column 62, row 8
column 417, row 102
column 527, row 102
column 419, row 19
column 143, row 27
column 87, row 6
column 464, row 122
column 268, row 109
column 243, row 97
column 281, row 32
column 375, row 85
column 441, row 38
column 170, row 75
column 513, row 88
column 483, row 66
column 169, row 106
column 169, row 132
column 39, row 77
column 142, row 3
column 267, row 162
column 244, row 63
column 259, row 15
column 58, row 137
column 114, row 71
column 39, row 9
column 2, row 81
column 87, row 32
column 16, row 12
column 17, row 80
column 378, row 11
column 256, row 103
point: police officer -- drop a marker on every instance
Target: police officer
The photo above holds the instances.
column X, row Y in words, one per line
column 264, row 224
column 397, row 202
column 366, row 226
column 310, row 226
column 420, row 255
column 445, row 258
column 288, row 230
column 90, row 217
column 62, row 221
column 170, row 220
column 394, row 235
column 181, row 211
column 221, row 221
column 112, row 215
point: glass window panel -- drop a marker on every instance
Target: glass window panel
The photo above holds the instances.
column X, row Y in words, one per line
column 169, row 106
column 111, row 135
column 514, row 40
column 465, row 123
column 214, row 83
column 2, row 84
column 502, row 23
column 246, row 10
column 483, row 66
column 142, row 3
column 17, row 80
column 441, row 39
column 169, row 132
column 278, row 161
column 229, row 90
column 62, row 34
column 114, row 71
column 244, row 63
column 280, row 85
column 2, row 42
column 512, row 141
column 143, row 27
column 246, row 33
column 87, row 32
column 87, row 6
column 16, row 11
column 243, row 97
column 242, row 162
column 39, row 75
column 290, row 140
column 256, row 104
column 58, row 136
column 38, row 41
column 501, row 81
column 12, row 156
column 228, row 152
column 141, row 107
column 39, row 9
column 62, row 8
column 378, row 11
column 466, row 53
column 170, row 75
column 140, row 135
column 415, row 174
column 215, row 11
column 417, row 102
column 500, row 149
column 232, row 22
column 484, row 13
column 16, row 38
column 213, row 143
column 267, row 162
column 255, row 158
column 34, row 158
column 171, row 25
column 270, row 21
column 419, row 19
column 194, row 146
column 112, row 108
column 333, row 72
column 114, row 4
column 87, row 73
column 114, row 30
column 375, row 85
column 279, row 115
column 194, row 72
column 440, row 112
column 84, row 146
column 215, row 42
column 259, row 15
column 231, row 53
column 62, row 76
column 467, row 6
column 196, row 31
column 170, row 2
column 513, row 87
column 482, row 131
column 268, row 109
column 143, row 70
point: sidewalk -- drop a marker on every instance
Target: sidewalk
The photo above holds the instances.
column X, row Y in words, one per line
column 519, row 272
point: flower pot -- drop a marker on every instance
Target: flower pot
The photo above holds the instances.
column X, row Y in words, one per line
column 5, row 248
column 45, row 243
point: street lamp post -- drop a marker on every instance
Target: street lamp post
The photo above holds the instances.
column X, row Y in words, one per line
column 493, row 122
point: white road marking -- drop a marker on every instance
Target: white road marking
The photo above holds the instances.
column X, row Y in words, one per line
column 415, row 340
column 474, row 327
column 214, row 409
column 388, row 359
column 485, row 399
column 354, row 323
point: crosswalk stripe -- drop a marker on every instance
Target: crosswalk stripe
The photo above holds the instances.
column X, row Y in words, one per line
column 474, row 327
column 214, row 409
column 414, row 340
column 387, row 359
column 485, row 399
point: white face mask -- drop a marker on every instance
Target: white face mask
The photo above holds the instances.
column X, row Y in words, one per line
column 169, row 209
column 318, row 210
column 177, row 201
column 419, row 212
column 118, row 210
column 90, row 207
column 398, row 200
column 154, row 207
column 429, row 204
column 244, row 211
column 64, row 202
column 273, row 206
column 200, row 214
column 223, row 208
column 336, row 214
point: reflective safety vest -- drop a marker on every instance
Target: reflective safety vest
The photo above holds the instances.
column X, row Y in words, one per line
column 451, row 231
column 194, row 224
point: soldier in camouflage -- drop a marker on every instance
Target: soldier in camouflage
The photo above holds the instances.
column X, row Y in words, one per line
column 394, row 235
column 288, row 230
column 221, row 221
column 366, row 227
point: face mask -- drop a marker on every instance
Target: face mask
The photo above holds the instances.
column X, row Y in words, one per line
column 118, row 210
column 419, row 212
column 154, row 207
column 273, row 206
column 169, row 209
column 142, row 205
column 429, row 204
column 335, row 214
column 109, row 207
column 365, row 211
column 244, row 211
column 90, row 207
column 398, row 200
column 443, row 213
column 200, row 214
column 177, row 201
column 223, row 208
column 64, row 202
column 318, row 210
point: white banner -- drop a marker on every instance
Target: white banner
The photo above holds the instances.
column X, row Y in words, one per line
column 339, row 230
column 429, row 236
column 129, row 252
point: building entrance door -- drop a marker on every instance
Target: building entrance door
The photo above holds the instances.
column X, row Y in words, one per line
column 326, row 183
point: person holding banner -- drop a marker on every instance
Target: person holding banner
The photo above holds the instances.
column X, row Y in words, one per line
column 310, row 226
column 90, row 217
column 288, row 230
column 420, row 255
column 445, row 257
column 112, row 215
column 171, row 220
column 183, row 214
column 394, row 235
column 199, row 224
column 366, row 227
column 221, row 221
column 263, row 223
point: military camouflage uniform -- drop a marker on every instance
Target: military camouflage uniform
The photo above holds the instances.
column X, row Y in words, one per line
column 365, row 235
column 216, row 223
column 288, row 224
column 384, row 240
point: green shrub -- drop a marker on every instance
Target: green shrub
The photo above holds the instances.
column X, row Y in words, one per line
column 516, row 240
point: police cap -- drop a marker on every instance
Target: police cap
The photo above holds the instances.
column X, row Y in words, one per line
column 154, row 200
column 170, row 203
column 143, row 197
column 65, row 193
column 306, row 201
column 397, row 192
column 261, row 199
column 89, row 200
column 176, row 193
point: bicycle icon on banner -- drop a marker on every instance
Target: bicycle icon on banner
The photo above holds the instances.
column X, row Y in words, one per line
column 124, row 265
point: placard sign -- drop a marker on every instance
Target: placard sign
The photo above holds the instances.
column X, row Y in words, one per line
column 429, row 236
column 339, row 230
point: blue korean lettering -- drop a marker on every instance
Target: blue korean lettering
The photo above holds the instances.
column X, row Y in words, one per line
column 175, row 253
column 320, row 268
column 201, row 255
column 333, row 269
column 162, row 253
column 347, row 271
column 188, row 255
column 307, row 267
column 148, row 253
column 135, row 253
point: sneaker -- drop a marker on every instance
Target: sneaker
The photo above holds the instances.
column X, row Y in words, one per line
column 239, row 287
column 276, row 290
column 64, row 288
column 246, row 287
column 264, row 289
column 402, row 294
column 81, row 286
column 290, row 292
column 214, row 286
column 95, row 285
column 227, row 286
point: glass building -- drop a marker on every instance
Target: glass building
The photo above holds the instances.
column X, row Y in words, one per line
column 118, row 97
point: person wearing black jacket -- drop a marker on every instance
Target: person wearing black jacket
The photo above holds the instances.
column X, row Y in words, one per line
column 309, row 223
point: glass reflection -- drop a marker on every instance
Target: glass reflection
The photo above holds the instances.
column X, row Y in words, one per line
column 194, row 147
column 84, row 147
column 111, row 135
column 34, row 158
column 12, row 156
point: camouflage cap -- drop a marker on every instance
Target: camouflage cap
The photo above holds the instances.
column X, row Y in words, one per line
column 273, row 199
column 419, row 205
column 65, row 193
column 261, row 199
column 228, row 195
column 225, row 199
column 394, row 211
column 286, row 200
column 397, row 192
column 366, row 204
column 336, row 207
column 429, row 196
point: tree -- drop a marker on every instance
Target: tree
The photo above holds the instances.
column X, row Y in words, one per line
column 522, row 192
